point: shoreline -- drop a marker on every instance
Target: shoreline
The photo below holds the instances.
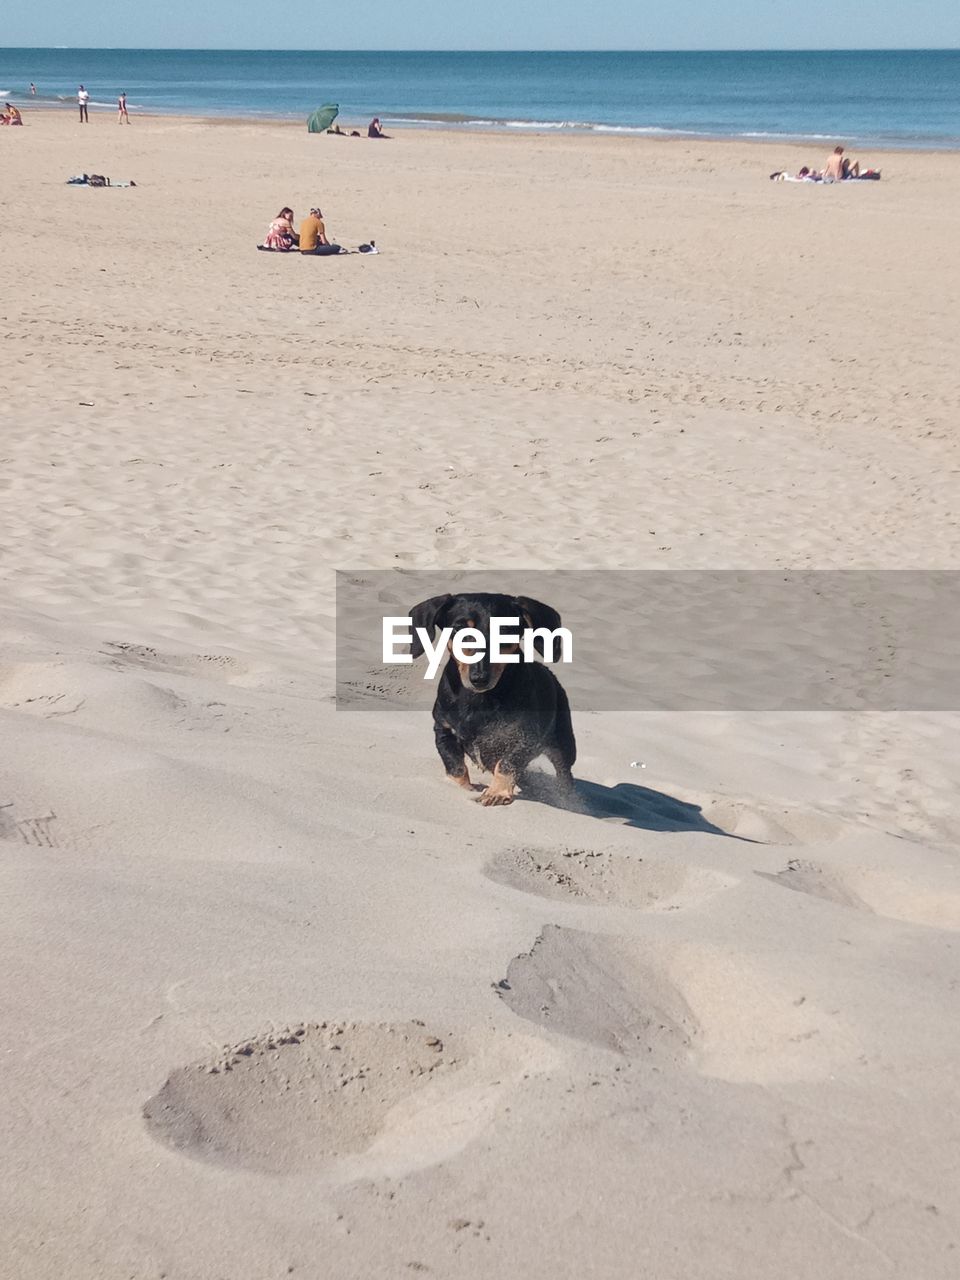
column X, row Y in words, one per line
column 539, row 130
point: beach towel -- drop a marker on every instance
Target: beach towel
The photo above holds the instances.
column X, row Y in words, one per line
column 869, row 175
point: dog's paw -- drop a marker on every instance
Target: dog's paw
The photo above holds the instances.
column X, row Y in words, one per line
column 491, row 796
column 463, row 781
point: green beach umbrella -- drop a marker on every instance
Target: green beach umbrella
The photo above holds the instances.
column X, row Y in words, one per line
column 319, row 121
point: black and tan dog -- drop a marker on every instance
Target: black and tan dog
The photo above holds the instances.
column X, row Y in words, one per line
column 501, row 715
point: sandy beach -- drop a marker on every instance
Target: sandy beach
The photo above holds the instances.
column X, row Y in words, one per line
column 279, row 1000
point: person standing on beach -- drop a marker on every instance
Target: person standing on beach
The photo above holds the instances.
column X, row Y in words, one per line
column 82, row 99
column 122, row 113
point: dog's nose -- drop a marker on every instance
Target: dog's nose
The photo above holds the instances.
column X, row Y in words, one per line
column 480, row 679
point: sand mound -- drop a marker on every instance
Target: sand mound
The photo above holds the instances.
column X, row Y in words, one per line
column 85, row 694
column 771, row 825
column 136, row 801
column 598, row 989
column 873, row 890
column 761, row 1020
column 592, row 875
column 300, row 1097
column 817, row 881
column 730, row 1017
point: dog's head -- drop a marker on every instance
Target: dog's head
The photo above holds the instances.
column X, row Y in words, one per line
column 474, row 612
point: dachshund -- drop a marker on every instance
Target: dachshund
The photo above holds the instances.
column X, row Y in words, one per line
column 500, row 714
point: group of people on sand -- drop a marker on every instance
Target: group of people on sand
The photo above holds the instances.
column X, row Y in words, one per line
column 374, row 130
column 282, row 236
column 839, row 168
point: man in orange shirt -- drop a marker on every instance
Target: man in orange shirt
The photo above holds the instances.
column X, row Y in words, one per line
column 313, row 236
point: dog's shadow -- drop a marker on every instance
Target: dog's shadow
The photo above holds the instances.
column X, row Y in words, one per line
column 626, row 803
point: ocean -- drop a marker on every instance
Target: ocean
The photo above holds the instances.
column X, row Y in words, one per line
column 907, row 98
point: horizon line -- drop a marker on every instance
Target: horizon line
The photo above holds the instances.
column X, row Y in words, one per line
column 163, row 48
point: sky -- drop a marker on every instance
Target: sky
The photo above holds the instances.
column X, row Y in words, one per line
column 492, row 24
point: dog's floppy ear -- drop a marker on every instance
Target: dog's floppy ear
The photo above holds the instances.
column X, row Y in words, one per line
column 426, row 615
column 537, row 615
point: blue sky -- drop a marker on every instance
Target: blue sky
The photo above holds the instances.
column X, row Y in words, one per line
column 492, row 24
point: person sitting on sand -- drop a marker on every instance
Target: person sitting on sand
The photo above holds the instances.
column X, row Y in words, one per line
column 833, row 170
column 313, row 236
column 11, row 115
column 281, row 236
column 374, row 130
column 849, row 169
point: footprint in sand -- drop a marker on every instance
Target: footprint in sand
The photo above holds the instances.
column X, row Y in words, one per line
column 591, row 875
column 689, row 1004
column 354, row 1098
column 209, row 666
column 41, row 831
column 398, row 686
column 874, row 890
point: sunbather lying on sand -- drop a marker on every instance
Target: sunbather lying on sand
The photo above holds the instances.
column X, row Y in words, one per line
column 805, row 175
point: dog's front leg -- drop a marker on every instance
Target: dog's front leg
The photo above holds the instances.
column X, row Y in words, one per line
column 452, row 754
column 503, row 787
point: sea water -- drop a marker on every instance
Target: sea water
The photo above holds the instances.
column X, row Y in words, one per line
column 908, row 98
